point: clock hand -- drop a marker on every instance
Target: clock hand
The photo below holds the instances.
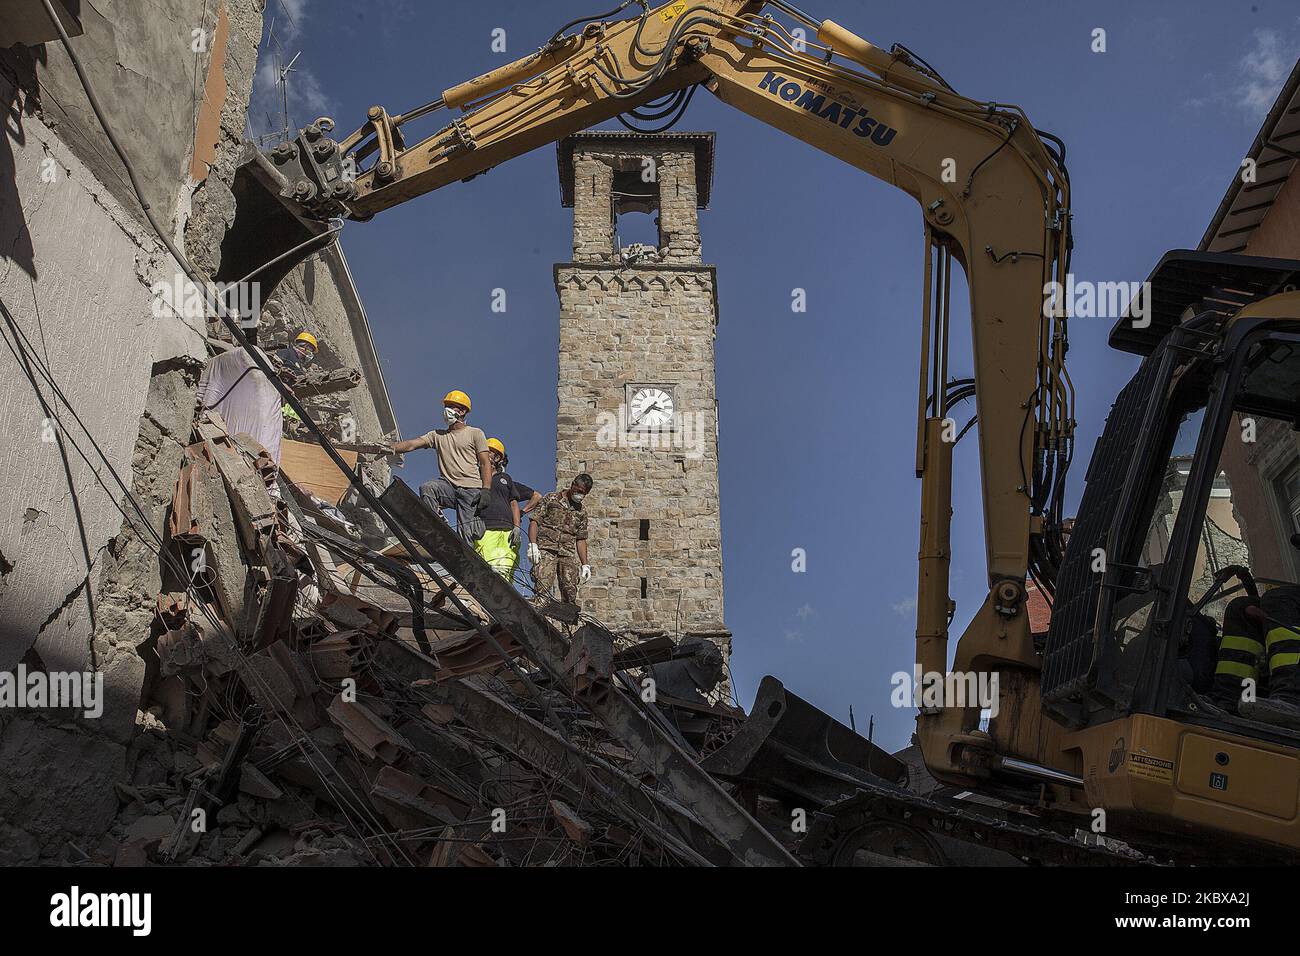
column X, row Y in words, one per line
column 647, row 412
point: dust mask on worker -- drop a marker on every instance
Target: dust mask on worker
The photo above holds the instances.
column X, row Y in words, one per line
column 576, row 497
column 453, row 415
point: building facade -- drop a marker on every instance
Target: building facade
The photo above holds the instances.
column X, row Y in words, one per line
column 1260, row 216
column 637, row 402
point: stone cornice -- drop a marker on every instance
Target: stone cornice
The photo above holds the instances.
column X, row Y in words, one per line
column 643, row 277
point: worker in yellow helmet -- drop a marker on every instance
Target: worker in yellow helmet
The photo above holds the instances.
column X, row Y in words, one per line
column 500, row 543
column 292, row 363
column 464, row 465
column 298, row 356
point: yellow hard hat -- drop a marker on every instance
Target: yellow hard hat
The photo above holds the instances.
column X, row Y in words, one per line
column 457, row 397
column 308, row 338
column 496, row 446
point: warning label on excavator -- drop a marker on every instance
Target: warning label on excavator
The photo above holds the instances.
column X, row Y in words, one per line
column 674, row 10
column 1152, row 768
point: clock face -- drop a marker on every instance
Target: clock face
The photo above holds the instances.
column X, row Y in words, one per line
column 651, row 407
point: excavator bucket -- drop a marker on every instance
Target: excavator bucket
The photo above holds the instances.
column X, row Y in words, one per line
column 269, row 224
column 789, row 748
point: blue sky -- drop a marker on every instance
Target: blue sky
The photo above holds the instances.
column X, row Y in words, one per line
column 816, row 409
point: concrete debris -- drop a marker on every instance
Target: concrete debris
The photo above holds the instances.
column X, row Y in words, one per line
column 310, row 701
column 318, row 383
column 575, row 828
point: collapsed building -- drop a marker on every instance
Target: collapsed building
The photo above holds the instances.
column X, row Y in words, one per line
column 105, row 350
column 284, row 683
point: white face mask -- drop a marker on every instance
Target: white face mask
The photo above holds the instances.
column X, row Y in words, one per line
column 451, row 414
column 576, row 497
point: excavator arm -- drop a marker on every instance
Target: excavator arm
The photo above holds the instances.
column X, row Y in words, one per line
column 994, row 196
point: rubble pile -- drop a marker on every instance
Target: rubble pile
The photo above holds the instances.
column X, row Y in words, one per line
column 312, row 701
column 325, row 395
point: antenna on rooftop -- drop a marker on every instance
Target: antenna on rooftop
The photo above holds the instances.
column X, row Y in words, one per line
column 282, row 80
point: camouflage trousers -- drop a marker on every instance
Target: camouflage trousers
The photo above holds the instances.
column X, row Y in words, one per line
column 548, row 570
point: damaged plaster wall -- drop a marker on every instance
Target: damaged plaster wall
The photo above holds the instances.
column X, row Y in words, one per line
column 83, row 302
column 78, row 584
column 149, row 78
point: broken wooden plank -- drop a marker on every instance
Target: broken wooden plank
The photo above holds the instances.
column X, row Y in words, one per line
column 306, row 465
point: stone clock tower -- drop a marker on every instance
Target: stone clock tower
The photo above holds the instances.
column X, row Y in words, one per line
column 637, row 407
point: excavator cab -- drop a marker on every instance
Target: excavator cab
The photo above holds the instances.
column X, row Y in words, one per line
column 1193, row 495
column 1192, row 500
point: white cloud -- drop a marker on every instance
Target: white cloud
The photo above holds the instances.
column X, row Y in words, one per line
column 905, row 607
column 1253, row 82
column 290, row 17
column 306, row 93
column 285, row 22
column 1261, row 70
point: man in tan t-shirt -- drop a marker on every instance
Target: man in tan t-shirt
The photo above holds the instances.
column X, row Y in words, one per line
column 464, row 463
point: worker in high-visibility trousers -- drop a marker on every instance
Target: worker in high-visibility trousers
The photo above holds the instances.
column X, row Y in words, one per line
column 1259, row 654
column 500, row 543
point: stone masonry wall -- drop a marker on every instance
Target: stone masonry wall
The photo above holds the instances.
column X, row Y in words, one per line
column 593, row 202
column 648, row 323
column 621, row 327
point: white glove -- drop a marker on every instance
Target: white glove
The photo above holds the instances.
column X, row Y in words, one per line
column 534, row 553
column 585, row 574
column 514, row 537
